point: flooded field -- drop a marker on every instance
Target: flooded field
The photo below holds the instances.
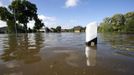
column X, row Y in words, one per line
column 66, row 54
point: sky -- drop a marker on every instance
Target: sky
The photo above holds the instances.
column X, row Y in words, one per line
column 70, row 13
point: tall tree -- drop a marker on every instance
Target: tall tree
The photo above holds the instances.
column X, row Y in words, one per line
column 21, row 11
column 24, row 11
column 6, row 16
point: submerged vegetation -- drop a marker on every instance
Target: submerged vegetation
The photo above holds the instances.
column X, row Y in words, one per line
column 18, row 14
column 123, row 23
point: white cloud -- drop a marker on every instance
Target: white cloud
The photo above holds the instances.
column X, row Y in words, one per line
column 47, row 20
column 71, row 3
column 31, row 24
column 2, row 24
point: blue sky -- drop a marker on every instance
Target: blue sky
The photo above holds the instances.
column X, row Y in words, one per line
column 69, row 13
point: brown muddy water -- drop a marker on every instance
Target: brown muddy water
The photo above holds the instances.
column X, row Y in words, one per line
column 66, row 54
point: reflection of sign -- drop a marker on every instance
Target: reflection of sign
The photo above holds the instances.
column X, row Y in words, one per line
column 91, row 34
column 90, row 53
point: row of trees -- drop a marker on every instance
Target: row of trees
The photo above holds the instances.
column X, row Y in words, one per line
column 118, row 23
column 57, row 29
column 18, row 14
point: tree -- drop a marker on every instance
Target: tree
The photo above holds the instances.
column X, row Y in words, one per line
column 107, row 20
column 130, row 26
column 129, row 23
column 6, row 16
column 118, row 23
column 38, row 24
column 21, row 11
column 105, row 27
column 129, row 16
column 118, row 19
column 58, row 28
column 24, row 11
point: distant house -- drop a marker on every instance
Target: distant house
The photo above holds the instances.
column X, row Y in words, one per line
column 52, row 29
column 78, row 29
column 3, row 30
column 42, row 29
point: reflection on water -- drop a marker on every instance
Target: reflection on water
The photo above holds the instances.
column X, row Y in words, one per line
column 90, row 53
column 22, row 48
column 63, row 54
column 123, row 43
column 119, row 41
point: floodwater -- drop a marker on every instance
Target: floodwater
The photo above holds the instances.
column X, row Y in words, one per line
column 66, row 54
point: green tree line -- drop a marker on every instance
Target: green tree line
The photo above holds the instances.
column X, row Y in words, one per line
column 57, row 29
column 18, row 14
column 123, row 23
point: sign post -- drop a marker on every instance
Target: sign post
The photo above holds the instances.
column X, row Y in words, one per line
column 91, row 34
